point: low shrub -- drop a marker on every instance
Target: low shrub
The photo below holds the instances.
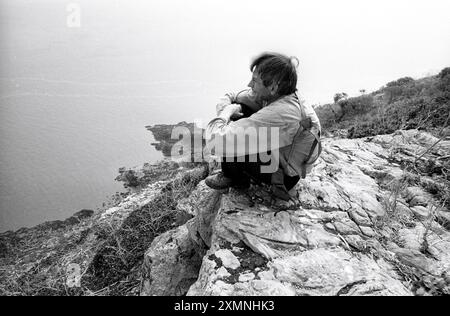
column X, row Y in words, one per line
column 402, row 104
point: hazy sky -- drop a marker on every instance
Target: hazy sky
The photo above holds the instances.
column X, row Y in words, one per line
column 344, row 45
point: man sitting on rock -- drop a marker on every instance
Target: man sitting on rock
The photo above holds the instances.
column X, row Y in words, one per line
column 270, row 103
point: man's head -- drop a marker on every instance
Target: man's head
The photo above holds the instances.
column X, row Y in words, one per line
column 273, row 75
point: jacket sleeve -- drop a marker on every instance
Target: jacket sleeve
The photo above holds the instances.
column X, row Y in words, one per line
column 227, row 99
column 243, row 97
column 257, row 133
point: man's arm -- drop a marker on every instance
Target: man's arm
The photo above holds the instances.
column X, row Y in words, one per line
column 243, row 97
column 227, row 99
column 222, row 130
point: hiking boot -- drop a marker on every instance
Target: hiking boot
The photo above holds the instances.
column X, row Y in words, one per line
column 218, row 181
column 282, row 205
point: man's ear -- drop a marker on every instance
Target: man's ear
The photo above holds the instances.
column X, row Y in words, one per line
column 273, row 88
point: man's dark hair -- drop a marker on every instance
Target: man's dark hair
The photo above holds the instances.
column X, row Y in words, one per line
column 277, row 68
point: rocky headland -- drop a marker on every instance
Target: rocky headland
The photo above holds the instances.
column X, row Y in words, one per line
column 188, row 136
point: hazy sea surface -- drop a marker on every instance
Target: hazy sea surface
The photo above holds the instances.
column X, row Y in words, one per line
column 61, row 154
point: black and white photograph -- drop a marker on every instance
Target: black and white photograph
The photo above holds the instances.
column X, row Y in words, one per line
column 224, row 153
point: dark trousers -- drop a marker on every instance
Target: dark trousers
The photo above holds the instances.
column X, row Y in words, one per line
column 242, row 172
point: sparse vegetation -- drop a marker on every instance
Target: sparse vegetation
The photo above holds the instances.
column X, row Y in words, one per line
column 124, row 250
column 402, row 104
column 396, row 217
column 34, row 261
column 357, row 105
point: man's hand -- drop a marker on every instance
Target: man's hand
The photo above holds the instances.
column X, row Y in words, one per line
column 231, row 111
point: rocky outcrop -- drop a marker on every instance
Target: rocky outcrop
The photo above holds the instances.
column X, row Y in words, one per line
column 363, row 226
column 297, row 255
column 172, row 262
column 187, row 135
column 141, row 176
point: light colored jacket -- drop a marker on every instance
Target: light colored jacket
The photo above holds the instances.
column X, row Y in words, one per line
column 284, row 114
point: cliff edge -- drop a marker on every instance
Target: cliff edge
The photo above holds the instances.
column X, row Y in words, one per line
column 372, row 218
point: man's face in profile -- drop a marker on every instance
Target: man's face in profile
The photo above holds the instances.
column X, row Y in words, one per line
column 259, row 90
